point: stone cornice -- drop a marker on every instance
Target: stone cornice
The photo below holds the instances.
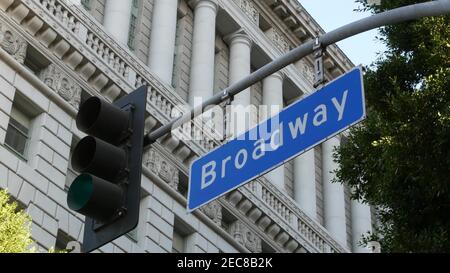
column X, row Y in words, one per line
column 300, row 20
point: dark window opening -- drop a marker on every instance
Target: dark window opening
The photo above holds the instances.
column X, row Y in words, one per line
column 183, row 184
column 62, row 239
column 227, row 219
column 35, row 61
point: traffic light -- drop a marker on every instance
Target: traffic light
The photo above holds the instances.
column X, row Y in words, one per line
column 110, row 162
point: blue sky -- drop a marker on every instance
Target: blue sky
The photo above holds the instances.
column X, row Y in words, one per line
column 331, row 14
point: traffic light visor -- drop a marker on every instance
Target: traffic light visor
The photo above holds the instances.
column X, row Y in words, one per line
column 89, row 112
column 103, row 120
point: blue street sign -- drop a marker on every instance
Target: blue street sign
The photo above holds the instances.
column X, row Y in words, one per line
column 298, row 128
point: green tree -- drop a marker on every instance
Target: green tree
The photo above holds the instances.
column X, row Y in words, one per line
column 398, row 159
column 14, row 227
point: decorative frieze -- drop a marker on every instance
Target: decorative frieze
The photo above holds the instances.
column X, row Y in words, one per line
column 12, row 43
column 65, row 86
column 249, row 9
column 306, row 70
column 277, row 38
column 242, row 234
column 160, row 166
column 214, row 211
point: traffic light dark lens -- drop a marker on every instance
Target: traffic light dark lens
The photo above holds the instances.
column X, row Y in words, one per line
column 80, row 192
column 89, row 113
column 99, row 158
column 83, row 154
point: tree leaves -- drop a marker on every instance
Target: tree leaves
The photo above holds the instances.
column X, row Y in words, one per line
column 15, row 234
column 399, row 158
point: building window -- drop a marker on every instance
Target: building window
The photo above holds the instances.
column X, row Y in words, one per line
column 182, row 239
column 35, row 61
column 227, row 219
column 19, row 127
column 86, row 4
column 266, row 248
column 62, row 239
column 177, row 54
column 17, row 134
column 183, row 184
column 179, row 243
column 71, row 173
column 133, row 235
column 133, row 24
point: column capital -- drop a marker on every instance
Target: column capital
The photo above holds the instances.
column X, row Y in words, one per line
column 279, row 75
column 213, row 4
column 239, row 36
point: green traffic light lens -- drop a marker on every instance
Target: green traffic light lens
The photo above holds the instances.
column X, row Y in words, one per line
column 80, row 192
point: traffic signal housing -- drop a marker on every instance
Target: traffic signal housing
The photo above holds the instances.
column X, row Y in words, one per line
column 109, row 159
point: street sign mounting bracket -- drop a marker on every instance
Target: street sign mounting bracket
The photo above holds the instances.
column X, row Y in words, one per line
column 319, row 75
column 227, row 100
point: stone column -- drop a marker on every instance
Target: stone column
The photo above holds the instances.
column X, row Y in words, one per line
column 334, row 201
column 162, row 39
column 240, row 62
column 305, row 183
column 361, row 224
column 203, row 51
column 273, row 100
column 117, row 19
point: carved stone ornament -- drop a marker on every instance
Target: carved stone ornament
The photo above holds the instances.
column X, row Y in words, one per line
column 249, row 9
column 13, row 43
column 161, row 167
column 214, row 211
column 278, row 39
column 306, row 70
column 57, row 80
column 246, row 237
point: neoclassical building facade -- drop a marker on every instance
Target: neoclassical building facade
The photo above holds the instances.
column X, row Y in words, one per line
column 56, row 53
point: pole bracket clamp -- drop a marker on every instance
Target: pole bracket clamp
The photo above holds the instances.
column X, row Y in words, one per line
column 226, row 97
column 227, row 100
column 319, row 75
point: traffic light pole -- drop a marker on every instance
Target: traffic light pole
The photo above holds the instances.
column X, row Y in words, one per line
column 395, row 16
